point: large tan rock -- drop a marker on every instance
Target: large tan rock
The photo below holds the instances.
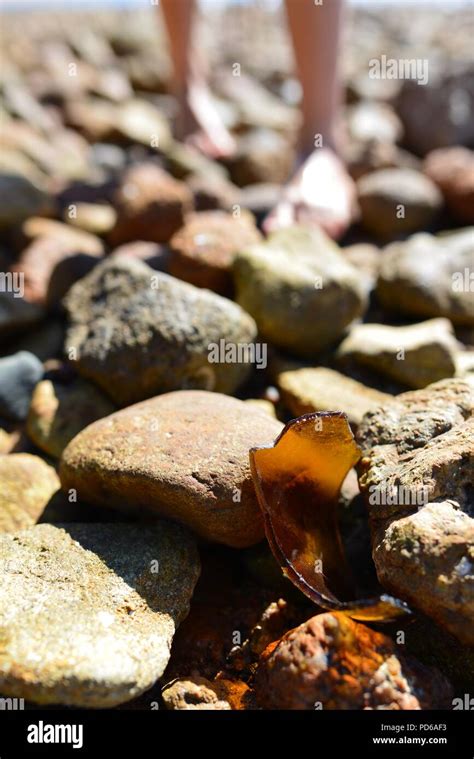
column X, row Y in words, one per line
column 88, row 611
column 183, row 455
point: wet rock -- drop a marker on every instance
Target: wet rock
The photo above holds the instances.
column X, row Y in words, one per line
column 111, row 599
column 429, row 276
column 129, row 324
column 262, row 156
column 332, row 662
column 416, row 475
column 319, row 389
column 58, row 412
column 20, row 199
column 150, row 205
column 95, row 218
column 415, row 356
column 440, row 113
column 291, row 282
column 203, row 251
column 195, row 470
column 200, row 693
column 27, row 484
column 397, row 201
column 19, row 374
column 452, row 170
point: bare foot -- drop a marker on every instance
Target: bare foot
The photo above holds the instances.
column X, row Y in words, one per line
column 321, row 193
column 200, row 124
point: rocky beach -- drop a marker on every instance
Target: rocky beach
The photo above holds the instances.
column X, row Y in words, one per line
column 236, row 466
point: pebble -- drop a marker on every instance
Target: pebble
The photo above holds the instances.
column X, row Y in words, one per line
column 19, row 373
column 310, row 389
column 262, row 156
column 129, row 324
column 202, row 694
column 95, row 218
column 203, row 251
column 88, row 611
column 183, row 455
column 414, row 356
column 58, row 412
column 27, row 484
column 416, row 475
column 397, row 201
column 333, row 662
column 427, row 276
column 452, row 170
column 150, row 205
column 291, row 282
column 50, row 264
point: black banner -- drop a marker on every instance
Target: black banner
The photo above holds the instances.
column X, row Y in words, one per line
column 135, row 733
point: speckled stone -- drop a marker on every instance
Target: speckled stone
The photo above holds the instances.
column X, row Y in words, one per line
column 416, row 476
column 183, row 455
column 84, row 618
column 332, row 662
column 137, row 332
column 27, row 483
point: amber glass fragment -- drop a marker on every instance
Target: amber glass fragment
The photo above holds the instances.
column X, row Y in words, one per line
column 297, row 482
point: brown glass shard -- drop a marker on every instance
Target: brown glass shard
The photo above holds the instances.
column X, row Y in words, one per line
column 297, row 482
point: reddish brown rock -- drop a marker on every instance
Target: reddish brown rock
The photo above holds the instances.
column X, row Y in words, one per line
column 150, row 205
column 183, row 455
column 200, row 693
column 452, row 169
column 332, row 662
column 55, row 258
column 203, row 251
